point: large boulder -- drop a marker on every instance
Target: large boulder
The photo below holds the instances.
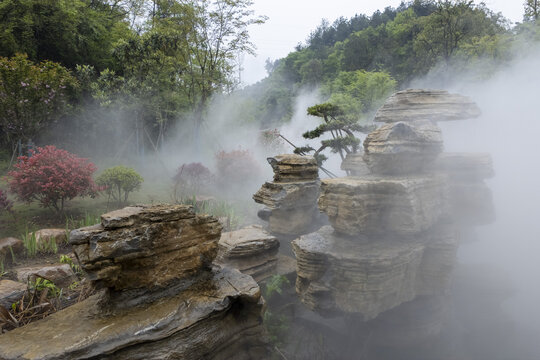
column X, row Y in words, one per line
column 218, row 319
column 374, row 205
column 367, row 276
column 402, row 147
column 420, row 104
column 252, row 250
column 145, row 247
column 60, row 274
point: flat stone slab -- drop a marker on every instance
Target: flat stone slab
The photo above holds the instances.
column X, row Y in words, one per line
column 292, row 167
column 423, row 104
column 61, row 274
column 10, row 291
column 203, row 322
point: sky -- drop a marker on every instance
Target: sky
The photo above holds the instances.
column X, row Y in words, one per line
column 291, row 21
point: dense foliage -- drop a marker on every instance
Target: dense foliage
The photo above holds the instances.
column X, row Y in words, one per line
column 119, row 181
column 52, row 176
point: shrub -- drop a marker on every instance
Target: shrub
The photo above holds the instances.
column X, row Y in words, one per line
column 119, row 181
column 191, row 179
column 237, row 167
column 52, row 176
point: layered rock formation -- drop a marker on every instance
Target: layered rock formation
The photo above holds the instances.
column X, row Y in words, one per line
column 161, row 299
column 252, row 250
column 420, row 104
column 394, row 232
column 291, row 199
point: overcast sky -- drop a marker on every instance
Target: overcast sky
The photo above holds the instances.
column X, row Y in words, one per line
column 291, row 21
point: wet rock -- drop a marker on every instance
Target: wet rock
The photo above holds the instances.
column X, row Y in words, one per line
column 292, row 167
column 402, row 147
column 61, row 274
column 218, row 319
column 251, row 250
column 367, row 276
column 9, row 244
column 420, row 104
column 145, row 247
column 45, row 236
column 10, row 291
column 373, row 204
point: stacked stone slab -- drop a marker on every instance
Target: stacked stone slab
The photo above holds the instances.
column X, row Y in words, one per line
column 161, row 297
column 394, row 232
column 291, row 199
column 252, row 250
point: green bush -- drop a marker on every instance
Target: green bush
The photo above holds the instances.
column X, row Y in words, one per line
column 119, row 181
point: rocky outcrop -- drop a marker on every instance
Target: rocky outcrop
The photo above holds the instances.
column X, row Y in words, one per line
column 402, row 147
column 144, row 247
column 291, row 199
column 366, row 276
column 374, row 205
column 161, row 297
column 420, row 104
column 252, row 250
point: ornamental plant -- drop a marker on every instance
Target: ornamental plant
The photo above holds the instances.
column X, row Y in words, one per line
column 191, row 179
column 119, row 181
column 52, row 176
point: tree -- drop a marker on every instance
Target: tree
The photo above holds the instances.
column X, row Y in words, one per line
column 31, row 96
column 52, row 176
column 531, row 10
column 119, row 181
column 341, row 129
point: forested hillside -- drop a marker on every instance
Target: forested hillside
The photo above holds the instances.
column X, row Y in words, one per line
column 78, row 73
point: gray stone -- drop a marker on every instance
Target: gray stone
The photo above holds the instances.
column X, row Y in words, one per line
column 45, row 236
column 374, row 204
column 60, row 274
column 292, row 167
column 420, row 104
column 10, row 291
column 402, row 148
column 9, row 244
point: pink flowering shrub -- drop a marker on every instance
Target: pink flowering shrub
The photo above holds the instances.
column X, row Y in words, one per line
column 52, row 176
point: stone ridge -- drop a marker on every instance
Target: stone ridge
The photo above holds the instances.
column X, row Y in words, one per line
column 146, row 247
column 292, row 167
column 420, row 104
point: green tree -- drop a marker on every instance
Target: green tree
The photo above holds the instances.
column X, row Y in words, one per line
column 119, row 181
column 531, row 10
column 32, row 96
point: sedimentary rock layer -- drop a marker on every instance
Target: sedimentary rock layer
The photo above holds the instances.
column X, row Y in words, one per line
column 217, row 319
column 292, row 167
column 368, row 276
column 418, row 104
column 252, row 250
column 402, row 148
column 374, row 204
column 288, row 195
column 145, row 247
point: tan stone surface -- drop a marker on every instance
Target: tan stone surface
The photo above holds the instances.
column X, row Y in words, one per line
column 292, row 167
column 402, row 147
column 374, row 204
column 289, row 195
column 147, row 247
column 10, row 242
column 46, row 235
column 423, row 104
column 10, row 291
column 60, row 274
column 217, row 319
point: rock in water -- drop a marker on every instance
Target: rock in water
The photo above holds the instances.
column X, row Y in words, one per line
column 162, row 297
column 374, row 205
column 251, row 250
column 419, row 104
column 402, row 148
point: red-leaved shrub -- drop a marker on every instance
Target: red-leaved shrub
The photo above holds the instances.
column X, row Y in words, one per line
column 52, row 176
column 191, row 179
